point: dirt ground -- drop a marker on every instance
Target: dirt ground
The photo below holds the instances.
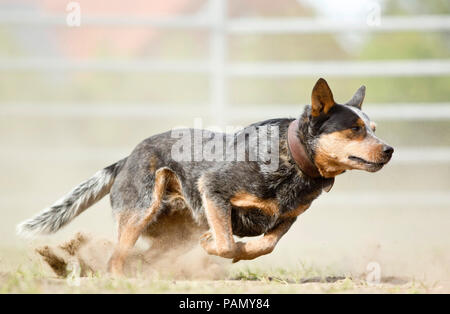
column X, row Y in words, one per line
column 79, row 265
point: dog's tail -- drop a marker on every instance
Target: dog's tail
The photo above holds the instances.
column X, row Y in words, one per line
column 71, row 205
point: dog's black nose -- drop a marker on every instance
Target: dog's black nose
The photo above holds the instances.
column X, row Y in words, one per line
column 388, row 150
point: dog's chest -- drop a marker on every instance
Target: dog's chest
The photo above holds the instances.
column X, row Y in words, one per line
column 252, row 215
column 249, row 222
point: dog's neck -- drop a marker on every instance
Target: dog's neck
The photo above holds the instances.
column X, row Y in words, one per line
column 298, row 152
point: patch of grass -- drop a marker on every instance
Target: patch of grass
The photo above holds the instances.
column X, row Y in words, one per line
column 23, row 280
column 302, row 273
column 33, row 277
column 342, row 286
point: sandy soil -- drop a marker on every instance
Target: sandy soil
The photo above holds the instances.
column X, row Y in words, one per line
column 79, row 265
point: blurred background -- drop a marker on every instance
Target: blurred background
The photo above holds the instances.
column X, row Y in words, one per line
column 74, row 99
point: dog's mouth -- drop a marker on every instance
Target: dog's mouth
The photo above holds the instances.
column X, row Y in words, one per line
column 367, row 163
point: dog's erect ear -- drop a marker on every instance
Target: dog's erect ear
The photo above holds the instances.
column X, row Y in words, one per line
column 358, row 98
column 321, row 98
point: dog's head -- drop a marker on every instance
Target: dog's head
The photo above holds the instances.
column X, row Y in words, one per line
column 342, row 137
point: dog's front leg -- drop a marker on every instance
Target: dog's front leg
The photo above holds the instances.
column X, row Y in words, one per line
column 264, row 245
column 219, row 241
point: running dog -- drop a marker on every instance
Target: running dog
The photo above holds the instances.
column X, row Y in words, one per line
column 154, row 194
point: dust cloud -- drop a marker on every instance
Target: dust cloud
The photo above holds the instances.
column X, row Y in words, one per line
column 86, row 255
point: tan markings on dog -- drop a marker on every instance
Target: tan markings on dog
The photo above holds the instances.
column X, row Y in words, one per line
column 173, row 185
column 129, row 231
column 162, row 182
column 327, row 164
column 247, row 200
column 264, row 245
column 153, row 164
column 321, row 98
column 220, row 224
column 174, row 193
column 220, row 242
column 201, row 185
column 176, row 202
column 131, row 226
column 333, row 150
column 348, row 134
column 360, row 123
column 298, row 211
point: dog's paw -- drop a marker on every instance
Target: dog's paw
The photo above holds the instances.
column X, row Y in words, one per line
column 207, row 243
column 206, row 237
column 240, row 249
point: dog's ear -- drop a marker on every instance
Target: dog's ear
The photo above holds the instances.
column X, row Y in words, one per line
column 358, row 98
column 321, row 98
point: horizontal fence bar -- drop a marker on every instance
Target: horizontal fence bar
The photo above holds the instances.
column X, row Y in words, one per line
column 342, row 68
column 421, row 23
column 379, row 112
column 403, row 155
column 16, row 18
column 434, row 67
column 55, row 64
column 126, row 111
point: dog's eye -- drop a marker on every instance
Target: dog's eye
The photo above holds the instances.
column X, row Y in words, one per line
column 356, row 128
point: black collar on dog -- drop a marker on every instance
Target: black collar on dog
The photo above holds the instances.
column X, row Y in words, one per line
column 298, row 152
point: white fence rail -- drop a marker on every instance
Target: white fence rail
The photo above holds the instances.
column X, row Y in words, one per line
column 423, row 23
column 343, row 68
column 435, row 67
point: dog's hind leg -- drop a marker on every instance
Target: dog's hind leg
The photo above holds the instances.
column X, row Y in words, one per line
column 132, row 225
